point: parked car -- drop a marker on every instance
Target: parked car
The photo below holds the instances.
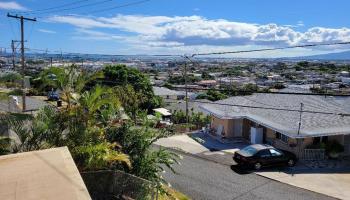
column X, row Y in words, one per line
column 261, row 155
column 53, row 96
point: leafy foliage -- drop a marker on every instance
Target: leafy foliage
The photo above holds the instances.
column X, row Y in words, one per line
column 91, row 124
column 123, row 76
column 212, row 95
column 4, row 145
column 98, row 156
column 130, row 99
column 137, row 143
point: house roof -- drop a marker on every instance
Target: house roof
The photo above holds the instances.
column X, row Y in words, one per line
column 162, row 111
column 46, row 174
column 163, row 91
column 286, row 122
column 31, row 103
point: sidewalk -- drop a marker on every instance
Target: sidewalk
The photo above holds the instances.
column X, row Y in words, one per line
column 335, row 184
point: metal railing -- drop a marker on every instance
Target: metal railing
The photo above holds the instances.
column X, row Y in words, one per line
column 115, row 185
column 314, row 154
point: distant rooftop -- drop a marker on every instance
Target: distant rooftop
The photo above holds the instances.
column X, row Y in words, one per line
column 163, row 91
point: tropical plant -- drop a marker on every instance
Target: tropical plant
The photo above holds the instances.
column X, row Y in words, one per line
column 131, row 100
column 69, row 80
column 179, row 117
column 98, row 156
column 123, row 76
column 137, row 142
column 4, row 145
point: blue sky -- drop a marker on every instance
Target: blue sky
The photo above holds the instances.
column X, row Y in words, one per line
column 179, row 26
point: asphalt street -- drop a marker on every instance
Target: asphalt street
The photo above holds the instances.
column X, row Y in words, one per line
column 202, row 179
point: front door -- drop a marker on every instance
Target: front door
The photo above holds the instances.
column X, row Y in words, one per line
column 238, row 128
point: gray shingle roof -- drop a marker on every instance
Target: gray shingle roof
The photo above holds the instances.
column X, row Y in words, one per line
column 163, row 91
column 287, row 121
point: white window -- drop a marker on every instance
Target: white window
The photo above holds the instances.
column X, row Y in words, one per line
column 284, row 138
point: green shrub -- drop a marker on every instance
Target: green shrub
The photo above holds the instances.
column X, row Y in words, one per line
column 334, row 147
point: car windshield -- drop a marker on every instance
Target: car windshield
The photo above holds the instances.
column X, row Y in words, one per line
column 249, row 150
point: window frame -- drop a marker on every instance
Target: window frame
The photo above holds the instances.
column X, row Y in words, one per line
column 274, row 155
column 265, row 156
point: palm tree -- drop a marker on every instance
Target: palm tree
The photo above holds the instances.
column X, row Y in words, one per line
column 130, row 99
column 70, row 80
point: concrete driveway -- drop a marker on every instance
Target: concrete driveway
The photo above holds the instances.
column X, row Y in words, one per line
column 202, row 146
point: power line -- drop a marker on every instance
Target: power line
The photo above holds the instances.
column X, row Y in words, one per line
column 77, row 7
column 269, row 49
column 120, row 6
column 55, row 7
column 104, row 9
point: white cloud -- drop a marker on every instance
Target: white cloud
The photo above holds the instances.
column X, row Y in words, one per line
column 47, row 31
column 86, row 34
column 11, row 5
column 183, row 33
column 300, row 23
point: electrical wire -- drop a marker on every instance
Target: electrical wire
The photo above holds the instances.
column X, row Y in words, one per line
column 120, row 6
column 269, row 49
column 55, row 7
column 101, row 10
column 77, row 7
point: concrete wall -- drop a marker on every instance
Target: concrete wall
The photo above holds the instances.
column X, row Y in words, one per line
column 232, row 127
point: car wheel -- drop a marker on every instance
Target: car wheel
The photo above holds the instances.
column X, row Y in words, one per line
column 291, row 163
column 257, row 166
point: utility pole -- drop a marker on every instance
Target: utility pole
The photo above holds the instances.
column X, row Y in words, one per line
column 13, row 54
column 22, row 18
column 186, row 94
column 300, row 117
column 14, row 50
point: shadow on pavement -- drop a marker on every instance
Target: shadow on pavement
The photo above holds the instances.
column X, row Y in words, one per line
column 240, row 170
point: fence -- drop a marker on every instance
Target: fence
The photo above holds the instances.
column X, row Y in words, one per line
column 115, row 185
column 314, row 154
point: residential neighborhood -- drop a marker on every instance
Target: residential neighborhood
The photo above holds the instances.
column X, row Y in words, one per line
column 174, row 100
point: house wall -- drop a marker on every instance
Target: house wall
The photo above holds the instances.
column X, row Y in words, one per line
column 242, row 128
column 232, row 127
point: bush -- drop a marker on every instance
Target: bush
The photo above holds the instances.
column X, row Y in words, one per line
column 334, row 147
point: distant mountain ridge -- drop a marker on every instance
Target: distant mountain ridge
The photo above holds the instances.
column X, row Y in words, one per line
column 329, row 56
